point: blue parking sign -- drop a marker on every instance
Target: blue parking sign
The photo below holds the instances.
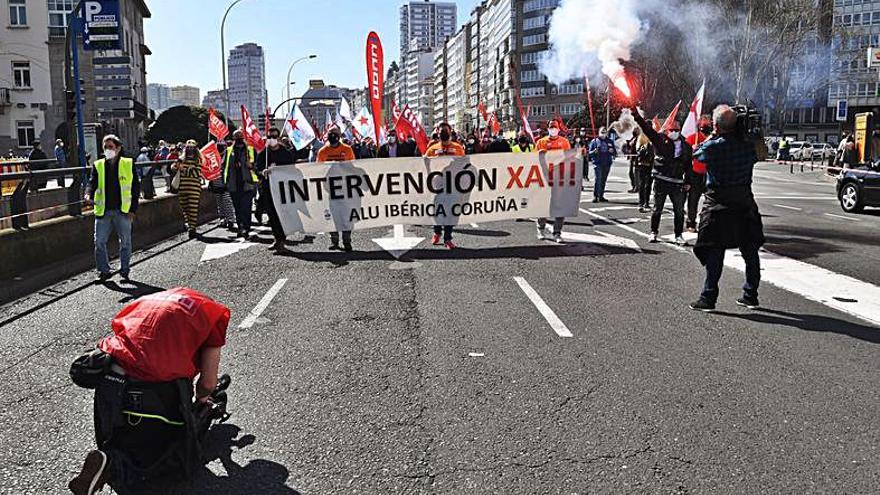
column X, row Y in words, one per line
column 102, row 25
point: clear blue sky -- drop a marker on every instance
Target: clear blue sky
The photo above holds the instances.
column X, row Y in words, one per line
column 184, row 36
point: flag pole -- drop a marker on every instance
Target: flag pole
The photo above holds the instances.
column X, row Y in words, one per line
column 590, row 103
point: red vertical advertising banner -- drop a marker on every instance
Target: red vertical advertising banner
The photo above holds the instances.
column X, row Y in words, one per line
column 375, row 78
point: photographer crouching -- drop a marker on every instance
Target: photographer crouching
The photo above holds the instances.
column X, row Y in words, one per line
column 730, row 216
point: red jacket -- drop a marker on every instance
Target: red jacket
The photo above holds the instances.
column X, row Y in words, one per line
column 699, row 167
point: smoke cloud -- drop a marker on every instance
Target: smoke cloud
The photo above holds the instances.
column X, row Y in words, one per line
column 587, row 36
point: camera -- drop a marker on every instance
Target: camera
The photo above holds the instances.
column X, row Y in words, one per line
column 748, row 123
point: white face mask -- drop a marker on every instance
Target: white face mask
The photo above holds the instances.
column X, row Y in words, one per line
column 109, row 154
column 673, row 135
column 603, row 135
column 554, row 132
column 392, row 140
column 272, row 142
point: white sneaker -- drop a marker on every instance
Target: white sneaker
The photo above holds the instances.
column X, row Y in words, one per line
column 653, row 237
column 557, row 238
column 680, row 241
column 541, row 235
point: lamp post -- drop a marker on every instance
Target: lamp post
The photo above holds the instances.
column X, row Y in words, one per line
column 223, row 59
column 293, row 83
column 290, row 69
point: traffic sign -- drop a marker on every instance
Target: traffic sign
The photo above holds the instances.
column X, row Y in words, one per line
column 842, row 111
column 101, row 25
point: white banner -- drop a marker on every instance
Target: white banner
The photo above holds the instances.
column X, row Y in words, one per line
column 362, row 194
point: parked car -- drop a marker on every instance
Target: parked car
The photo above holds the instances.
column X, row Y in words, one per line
column 800, row 150
column 859, row 187
column 823, row 151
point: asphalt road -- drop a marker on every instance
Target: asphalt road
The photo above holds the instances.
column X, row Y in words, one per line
column 438, row 373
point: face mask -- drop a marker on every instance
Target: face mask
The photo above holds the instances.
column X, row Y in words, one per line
column 444, row 136
column 190, row 153
column 333, row 139
column 392, row 140
column 470, row 141
column 272, row 142
column 554, row 132
column 109, row 154
column 673, row 135
column 603, row 135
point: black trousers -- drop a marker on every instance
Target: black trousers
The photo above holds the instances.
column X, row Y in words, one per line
column 644, row 181
column 269, row 208
column 662, row 190
column 242, row 201
column 698, row 187
column 633, row 180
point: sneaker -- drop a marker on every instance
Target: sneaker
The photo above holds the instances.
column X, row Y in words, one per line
column 557, row 238
column 679, row 240
column 192, row 234
column 692, row 230
column 125, row 277
column 334, row 247
column 347, row 247
column 653, row 237
column 542, row 235
column 435, row 239
column 703, row 305
column 103, row 276
column 642, row 209
column 449, row 245
column 595, row 200
column 278, row 246
column 748, row 302
column 93, row 475
column 631, row 191
column 603, row 200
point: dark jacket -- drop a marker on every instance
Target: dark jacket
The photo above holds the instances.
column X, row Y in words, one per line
column 667, row 167
column 404, row 148
column 499, row 146
column 112, row 190
column 730, row 219
column 281, row 156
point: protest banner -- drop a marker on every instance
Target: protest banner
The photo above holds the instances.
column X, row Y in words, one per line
column 361, row 194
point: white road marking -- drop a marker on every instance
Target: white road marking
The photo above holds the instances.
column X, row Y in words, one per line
column 803, row 279
column 222, row 250
column 614, row 208
column 474, row 225
column 602, row 239
column 476, row 354
column 800, row 198
column 261, row 306
column 689, row 237
column 542, row 307
column 816, row 284
column 789, row 207
column 832, row 215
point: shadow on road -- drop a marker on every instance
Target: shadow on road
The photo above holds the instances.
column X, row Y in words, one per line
column 133, row 288
column 802, row 242
column 810, row 323
column 257, row 476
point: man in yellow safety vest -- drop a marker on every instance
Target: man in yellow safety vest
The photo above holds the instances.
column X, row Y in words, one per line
column 114, row 190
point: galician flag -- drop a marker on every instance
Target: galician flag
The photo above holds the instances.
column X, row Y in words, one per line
column 690, row 125
column 363, row 124
column 344, row 110
column 298, row 129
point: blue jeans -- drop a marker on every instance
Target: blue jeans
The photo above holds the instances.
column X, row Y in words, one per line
column 118, row 221
column 601, row 172
column 715, row 264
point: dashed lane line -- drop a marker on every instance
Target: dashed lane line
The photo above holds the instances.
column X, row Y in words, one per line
column 555, row 323
column 832, row 215
column 261, row 306
column 792, row 208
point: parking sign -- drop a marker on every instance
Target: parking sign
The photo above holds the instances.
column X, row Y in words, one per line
column 101, row 25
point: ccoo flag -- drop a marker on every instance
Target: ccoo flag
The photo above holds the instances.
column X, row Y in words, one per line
column 375, row 79
column 216, row 127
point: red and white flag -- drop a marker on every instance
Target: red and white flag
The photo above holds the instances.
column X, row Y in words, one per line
column 375, row 79
column 671, row 118
column 211, row 161
column 690, row 126
column 408, row 123
column 216, row 127
column 525, row 120
column 299, row 130
column 251, row 131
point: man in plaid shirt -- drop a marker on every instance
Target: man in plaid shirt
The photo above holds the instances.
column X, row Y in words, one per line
column 730, row 216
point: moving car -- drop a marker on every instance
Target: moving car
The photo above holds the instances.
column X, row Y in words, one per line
column 859, row 187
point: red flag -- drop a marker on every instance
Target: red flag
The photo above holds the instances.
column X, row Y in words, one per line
column 403, row 131
column 216, row 126
column 409, row 123
column 268, row 119
column 211, row 161
column 492, row 123
column 671, row 119
column 482, row 110
column 375, row 78
column 656, row 123
column 251, row 131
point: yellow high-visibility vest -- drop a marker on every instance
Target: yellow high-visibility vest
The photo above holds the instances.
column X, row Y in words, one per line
column 229, row 159
column 126, row 179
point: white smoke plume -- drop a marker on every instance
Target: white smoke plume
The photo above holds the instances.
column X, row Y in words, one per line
column 590, row 35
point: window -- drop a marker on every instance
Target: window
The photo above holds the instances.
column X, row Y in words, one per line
column 531, row 58
column 532, row 92
column 570, row 108
column 17, row 13
column 534, row 22
column 534, row 39
column 26, row 133
column 531, row 75
column 21, row 74
column 571, row 89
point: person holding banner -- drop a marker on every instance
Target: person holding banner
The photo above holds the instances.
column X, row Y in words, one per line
column 337, row 151
column 444, row 147
column 393, row 149
column 189, row 194
column 523, row 144
column 241, row 181
column 274, row 154
column 549, row 143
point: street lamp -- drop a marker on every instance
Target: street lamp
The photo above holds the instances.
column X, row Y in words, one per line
column 223, row 58
column 292, row 83
column 288, row 75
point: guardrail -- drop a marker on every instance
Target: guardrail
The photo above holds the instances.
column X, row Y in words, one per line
column 72, row 201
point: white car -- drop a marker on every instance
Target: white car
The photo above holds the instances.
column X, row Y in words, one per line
column 823, row 151
column 800, row 150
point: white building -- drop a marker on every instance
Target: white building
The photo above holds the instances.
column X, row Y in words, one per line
column 25, row 83
column 427, row 23
column 247, row 80
column 493, row 46
column 452, row 73
column 186, row 95
column 419, row 85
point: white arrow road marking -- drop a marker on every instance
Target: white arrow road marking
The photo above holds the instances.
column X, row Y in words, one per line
column 548, row 314
column 223, row 249
column 689, row 237
column 603, row 239
column 399, row 244
column 261, row 306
